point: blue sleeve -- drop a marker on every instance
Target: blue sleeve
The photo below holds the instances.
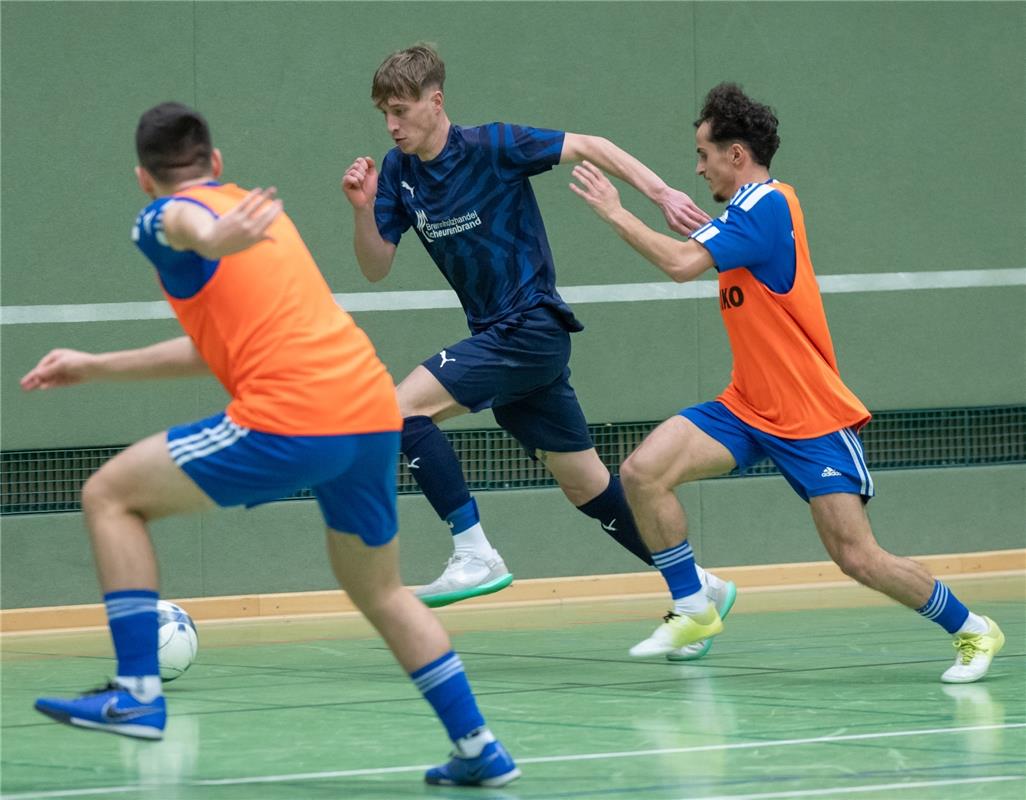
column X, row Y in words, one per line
column 520, row 152
column 389, row 212
column 755, row 235
column 182, row 272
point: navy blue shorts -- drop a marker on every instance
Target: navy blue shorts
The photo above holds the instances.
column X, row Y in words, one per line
column 518, row 368
column 352, row 477
column 828, row 464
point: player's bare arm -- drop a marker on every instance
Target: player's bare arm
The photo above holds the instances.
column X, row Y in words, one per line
column 682, row 261
column 188, row 226
column 682, row 215
column 373, row 253
column 173, row 358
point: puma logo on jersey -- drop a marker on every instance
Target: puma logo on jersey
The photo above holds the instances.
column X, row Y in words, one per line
column 611, row 527
column 414, row 464
column 445, row 359
column 407, row 186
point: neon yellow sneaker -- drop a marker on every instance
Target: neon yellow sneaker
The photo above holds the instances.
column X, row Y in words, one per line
column 678, row 630
column 975, row 652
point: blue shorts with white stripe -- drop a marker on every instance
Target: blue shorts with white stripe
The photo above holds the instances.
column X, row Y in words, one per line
column 352, row 476
column 829, row 464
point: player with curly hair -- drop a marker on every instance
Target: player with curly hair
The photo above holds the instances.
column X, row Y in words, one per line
column 786, row 400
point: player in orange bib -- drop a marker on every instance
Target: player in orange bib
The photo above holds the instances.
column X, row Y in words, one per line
column 786, row 400
column 311, row 406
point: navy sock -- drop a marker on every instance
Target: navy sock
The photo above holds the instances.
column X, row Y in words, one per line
column 132, row 615
column 678, row 567
column 611, row 510
column 464, row 517
column 445, row 686
column 944, row 608
column 434, row 465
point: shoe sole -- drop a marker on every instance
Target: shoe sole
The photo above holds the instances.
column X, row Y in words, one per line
column 447, row 598
column 491, row 783
column 132, row 731
column 729, row 604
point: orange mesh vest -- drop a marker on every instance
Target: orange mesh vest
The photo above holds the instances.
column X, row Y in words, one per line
column 784, row 380
column 267, row 326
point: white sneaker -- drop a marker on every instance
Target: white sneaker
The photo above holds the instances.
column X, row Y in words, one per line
column 975, row 652
column 722, row 595
column 466, row 575
column 678, row 630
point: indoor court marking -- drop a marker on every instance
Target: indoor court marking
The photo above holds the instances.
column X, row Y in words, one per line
column 811, row 702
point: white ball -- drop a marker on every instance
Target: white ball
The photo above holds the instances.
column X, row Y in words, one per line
column 176, row 640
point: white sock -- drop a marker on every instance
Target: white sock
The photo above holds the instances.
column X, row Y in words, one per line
column 144, row 688
column 473, row 541
column 471, row 745
column 974, row 623
column 691, row 604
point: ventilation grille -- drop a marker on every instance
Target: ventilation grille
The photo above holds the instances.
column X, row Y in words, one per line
column 47, row 481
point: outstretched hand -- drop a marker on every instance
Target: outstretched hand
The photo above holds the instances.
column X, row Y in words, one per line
column 360, row 182
column 682, row 215
column 59, row 368
column 596, row 189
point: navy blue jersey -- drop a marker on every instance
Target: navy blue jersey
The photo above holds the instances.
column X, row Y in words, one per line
column 475, row 212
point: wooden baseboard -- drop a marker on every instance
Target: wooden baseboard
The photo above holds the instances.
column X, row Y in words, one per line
column 529, row 591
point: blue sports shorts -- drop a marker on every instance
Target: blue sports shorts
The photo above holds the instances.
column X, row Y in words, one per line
column 828, row 464
column 352, row 476
column 518, row 368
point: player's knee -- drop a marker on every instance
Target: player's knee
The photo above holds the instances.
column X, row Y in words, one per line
column 97, row 494
column 857, row 564
column 635, row 475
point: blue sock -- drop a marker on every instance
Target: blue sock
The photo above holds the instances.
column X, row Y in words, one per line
column 434, row 465
column 445, row 686
column 132, row 615
column 611, row 510
column 678, row 567
column 944, row 608
column 464, row 517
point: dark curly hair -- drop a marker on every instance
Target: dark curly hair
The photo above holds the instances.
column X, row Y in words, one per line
column 735, row 117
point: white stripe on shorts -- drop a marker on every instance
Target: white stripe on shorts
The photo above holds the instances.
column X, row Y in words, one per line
column 851, row 442
column 207, row 441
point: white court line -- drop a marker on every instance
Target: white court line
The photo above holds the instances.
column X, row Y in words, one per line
column 868, row 787
column 353, row 773
column 602, row 293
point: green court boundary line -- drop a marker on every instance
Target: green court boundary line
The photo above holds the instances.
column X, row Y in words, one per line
column 599, row 293
column 353, row 773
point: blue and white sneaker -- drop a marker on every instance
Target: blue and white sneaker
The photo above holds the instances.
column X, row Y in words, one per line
column 109, row 708
column 494, row 767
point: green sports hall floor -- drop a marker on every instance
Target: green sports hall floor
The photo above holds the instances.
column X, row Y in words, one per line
column 823, row 693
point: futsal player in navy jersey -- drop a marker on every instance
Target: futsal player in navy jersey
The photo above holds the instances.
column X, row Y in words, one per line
column 466, row 193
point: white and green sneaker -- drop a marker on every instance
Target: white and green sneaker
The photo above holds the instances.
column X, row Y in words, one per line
column 722, row 594
column 975, row 652
column 678, row 630
column 466, row 575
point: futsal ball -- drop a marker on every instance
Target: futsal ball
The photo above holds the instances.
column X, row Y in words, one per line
column 176, row 640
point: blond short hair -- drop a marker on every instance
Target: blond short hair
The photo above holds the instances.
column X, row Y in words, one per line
column 407, row 73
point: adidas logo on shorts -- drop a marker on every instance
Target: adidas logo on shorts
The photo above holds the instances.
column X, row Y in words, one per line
column 830, row 472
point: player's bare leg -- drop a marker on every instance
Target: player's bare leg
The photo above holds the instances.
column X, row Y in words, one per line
column 846, row 533
column 370, row 576
column 475, row 567
column 140, row 484
column 674, row 453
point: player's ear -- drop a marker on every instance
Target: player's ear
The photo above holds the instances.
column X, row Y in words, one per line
column 146, row 182
column 216, row 163
column 437, row 99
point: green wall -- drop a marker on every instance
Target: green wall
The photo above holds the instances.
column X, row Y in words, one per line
column 902, row 129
